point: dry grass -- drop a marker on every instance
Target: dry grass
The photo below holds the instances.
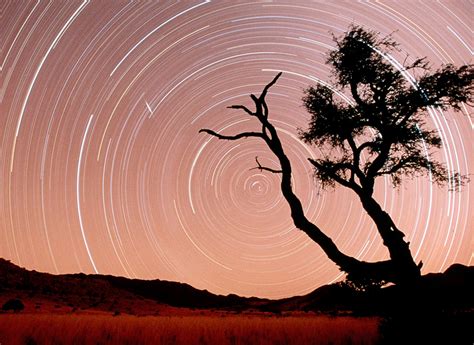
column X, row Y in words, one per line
column 229, row 329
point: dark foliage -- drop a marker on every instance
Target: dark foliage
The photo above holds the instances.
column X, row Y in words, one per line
column 373, row 123
column 364, row 284
column 14, row 304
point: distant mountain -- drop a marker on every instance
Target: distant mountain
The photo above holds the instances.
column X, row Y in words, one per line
column 107, row 292
column 449, row 290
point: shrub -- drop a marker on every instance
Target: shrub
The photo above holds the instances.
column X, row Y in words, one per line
column 13, row 304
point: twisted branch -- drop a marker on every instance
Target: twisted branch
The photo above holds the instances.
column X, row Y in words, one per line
column 231, row 137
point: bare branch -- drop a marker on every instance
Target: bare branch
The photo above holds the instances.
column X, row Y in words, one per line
column 261, row 168
column 244, row 108
column 258, row 107
column 269, row 85
column 231, row 137
column 265, row 109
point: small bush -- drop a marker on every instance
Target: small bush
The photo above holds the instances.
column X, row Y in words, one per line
column 362, row 284
column 13, row 304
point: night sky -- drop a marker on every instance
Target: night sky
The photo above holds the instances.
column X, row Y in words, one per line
column 103, row 169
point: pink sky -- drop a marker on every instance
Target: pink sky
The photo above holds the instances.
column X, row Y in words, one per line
column 103, row 169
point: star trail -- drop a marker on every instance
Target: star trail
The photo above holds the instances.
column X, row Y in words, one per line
column 103, row 169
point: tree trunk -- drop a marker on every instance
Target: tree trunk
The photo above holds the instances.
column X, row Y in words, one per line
column 406, row 271
column 400, row 268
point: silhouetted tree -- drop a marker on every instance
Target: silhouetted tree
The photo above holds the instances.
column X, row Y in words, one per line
column 371, row 125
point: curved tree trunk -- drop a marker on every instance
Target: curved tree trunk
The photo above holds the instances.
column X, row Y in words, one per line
column 405, row 267
column 399, row 269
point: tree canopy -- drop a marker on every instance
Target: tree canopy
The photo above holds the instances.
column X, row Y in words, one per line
column 381, row 130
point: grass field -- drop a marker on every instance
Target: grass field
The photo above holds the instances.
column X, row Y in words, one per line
column 83, row 329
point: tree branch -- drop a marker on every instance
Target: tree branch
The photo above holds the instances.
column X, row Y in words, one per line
column 356, row 160
column 365, row 145
column 261, row 168
column 380, row 160
column 356, row 96
column 332, row 173
column 402, row 163
column 231, row 137
column 269, row 85
column 244, row 108
column 265, row 109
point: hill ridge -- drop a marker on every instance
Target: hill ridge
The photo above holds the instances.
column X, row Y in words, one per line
column 450, row 289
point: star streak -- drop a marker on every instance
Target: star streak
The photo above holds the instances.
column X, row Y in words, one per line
column 136, row 191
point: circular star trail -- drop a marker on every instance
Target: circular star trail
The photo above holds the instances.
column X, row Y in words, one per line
column 103, row 169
